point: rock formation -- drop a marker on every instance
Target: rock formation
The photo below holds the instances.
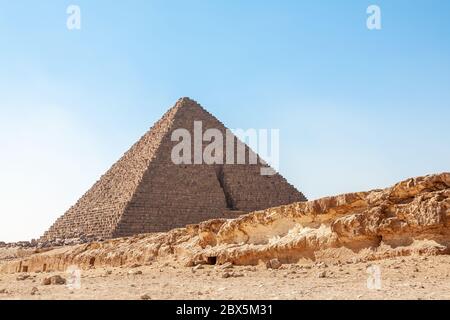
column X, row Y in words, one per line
column 412, row 217
column 146, row 192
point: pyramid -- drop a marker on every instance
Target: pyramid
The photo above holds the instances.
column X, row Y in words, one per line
column 146, row 192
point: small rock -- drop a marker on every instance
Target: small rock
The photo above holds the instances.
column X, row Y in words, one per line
column 226, row 265
column 226, row 275
column 58, row 280
column 145, row 297
column 236, row 275
column 273, row 264
column 34, row 291
column 22, row 277
column 135, row 272
column 198, row 267
column 322, row 274
column 54, row 280
column 3, row 291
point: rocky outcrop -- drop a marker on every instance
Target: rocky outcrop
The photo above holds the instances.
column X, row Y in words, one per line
column 408, row 218
column 57, row 242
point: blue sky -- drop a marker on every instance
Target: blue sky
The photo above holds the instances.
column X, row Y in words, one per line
column 356, row 109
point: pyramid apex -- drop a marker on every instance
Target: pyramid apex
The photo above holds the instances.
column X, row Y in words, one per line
column 186, row 100
column 188, row 103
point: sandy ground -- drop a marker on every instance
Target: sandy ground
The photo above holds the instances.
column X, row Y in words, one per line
column 401, row 278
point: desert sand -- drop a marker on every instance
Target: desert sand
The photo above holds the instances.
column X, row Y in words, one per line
column 411, row 277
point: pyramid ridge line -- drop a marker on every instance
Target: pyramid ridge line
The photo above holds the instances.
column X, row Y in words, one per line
column 105, row 179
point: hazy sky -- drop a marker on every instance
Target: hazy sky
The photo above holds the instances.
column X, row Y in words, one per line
column 356, row 109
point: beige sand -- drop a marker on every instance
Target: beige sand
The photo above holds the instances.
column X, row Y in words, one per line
column 401, row 278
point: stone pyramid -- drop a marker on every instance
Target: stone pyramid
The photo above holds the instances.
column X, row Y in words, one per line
column 146, row 192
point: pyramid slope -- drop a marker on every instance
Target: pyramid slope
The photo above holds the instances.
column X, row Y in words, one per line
column 145, row 192
column 100, row 208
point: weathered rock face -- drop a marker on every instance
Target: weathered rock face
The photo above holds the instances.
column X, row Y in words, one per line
column 410, row 217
